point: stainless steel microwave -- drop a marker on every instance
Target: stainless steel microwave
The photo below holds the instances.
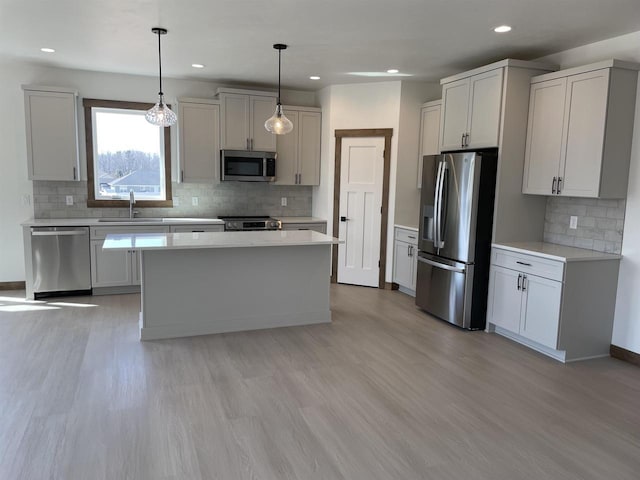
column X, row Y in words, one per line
column 247, row 166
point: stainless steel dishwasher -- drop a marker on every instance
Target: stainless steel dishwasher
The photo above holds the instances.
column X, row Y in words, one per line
column 61, row 260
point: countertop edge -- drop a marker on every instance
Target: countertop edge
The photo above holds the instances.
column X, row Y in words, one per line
column 597, row 256
column 95, row 222
column 413, row 229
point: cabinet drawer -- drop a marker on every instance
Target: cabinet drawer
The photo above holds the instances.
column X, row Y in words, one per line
column 317, row 227
column 408, row 236
column 524, row 263
column 197, row 228
column 98, row 233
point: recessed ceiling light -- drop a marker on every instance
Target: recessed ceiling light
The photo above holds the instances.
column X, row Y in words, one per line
column 393, row 70
column 314, row 77
column 47, row 50
column 502, row 29
column 197, row 65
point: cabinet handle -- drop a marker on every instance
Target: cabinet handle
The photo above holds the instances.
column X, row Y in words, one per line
column 519, row 280
column 299, row 179
column 251, row 143
column 462, row 140
column 247, row 144
column 553, row 185
column 466, row 139
column 412, row 238
column 181, row 176
column 523, row 263
column 408, row 250
column 524, row 283
column 74, row 173
column 559, row 183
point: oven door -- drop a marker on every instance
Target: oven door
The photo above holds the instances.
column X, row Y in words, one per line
column 237, row 165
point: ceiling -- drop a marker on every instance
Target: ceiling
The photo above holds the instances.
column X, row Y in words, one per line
column 428, row 39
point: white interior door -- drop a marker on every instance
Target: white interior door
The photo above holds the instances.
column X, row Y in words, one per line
column 361, row 179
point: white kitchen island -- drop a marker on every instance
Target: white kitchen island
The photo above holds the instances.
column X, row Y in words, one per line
column 215, row 282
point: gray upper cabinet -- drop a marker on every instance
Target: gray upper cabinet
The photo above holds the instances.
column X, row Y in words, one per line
column 52, row 133
column 471, row 108
column 429, row 133
column 199, row 141
column 299, row 151
column 580, row 130
column 242, row 117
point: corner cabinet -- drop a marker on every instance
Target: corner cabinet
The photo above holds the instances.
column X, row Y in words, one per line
column 51, row 117
column 242, row 117
column 199, row 141
column 561, row 305
column 299, row 151
column 405, row 259
column 429, row 133
column 580, row 131
column 471, row 109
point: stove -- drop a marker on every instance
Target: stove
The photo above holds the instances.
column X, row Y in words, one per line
column 236, row 224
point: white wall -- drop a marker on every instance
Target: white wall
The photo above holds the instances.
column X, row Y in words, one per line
column 412, row 97
column 626, row 328
column 13, row 176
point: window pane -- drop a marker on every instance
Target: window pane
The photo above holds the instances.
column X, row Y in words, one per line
column 128, row 155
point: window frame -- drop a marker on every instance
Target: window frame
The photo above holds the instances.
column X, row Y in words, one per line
column 88, row 104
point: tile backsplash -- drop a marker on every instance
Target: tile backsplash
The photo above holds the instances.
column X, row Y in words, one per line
column 231, row 198
column 600, row 223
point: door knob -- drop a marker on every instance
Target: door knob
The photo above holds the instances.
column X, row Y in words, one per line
column 344, row 219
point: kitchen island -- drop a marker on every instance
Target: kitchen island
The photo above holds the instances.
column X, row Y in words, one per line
column 215, row 282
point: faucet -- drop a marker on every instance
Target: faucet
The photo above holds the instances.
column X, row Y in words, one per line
column 132, row 202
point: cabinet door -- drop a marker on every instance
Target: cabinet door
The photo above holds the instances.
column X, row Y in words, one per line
column 199, row 142
column 262, row 109
column 287, row 150
column 109, row 268
column 485, row 105
column 586, row 107
column 310, row 124
column 403, row 264
column 234, row 121
column 505, row 299
column 455, row 106
column 52, row 135
column 429, row 135
column 541, row 310
column 544, row 136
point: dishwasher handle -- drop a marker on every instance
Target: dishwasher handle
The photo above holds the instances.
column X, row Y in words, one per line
column 53, row 233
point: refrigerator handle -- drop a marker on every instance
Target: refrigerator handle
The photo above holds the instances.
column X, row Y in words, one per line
column 436, row 209
column 441, row 265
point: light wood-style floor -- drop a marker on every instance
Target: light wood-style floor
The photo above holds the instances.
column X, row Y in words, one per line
column 385, row 392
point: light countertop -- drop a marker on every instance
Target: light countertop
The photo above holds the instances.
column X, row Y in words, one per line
column 93, row 222
column 413, row 229
column 553, row 251
column 181, row 241
column 301, row 219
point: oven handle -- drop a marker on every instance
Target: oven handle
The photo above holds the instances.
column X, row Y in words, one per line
column 441, row 265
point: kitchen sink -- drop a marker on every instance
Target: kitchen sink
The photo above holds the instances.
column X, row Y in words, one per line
column 139, row 219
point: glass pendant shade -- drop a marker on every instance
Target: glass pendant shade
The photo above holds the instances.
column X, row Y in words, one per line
column 161, row 115
column 278, row 124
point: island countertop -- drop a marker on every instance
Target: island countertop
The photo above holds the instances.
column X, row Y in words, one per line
column 189, row 240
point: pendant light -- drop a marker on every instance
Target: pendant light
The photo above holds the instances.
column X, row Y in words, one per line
column 278, row 123
column 160, row 115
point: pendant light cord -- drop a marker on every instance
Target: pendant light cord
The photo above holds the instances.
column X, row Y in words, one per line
column 279, row 68
column 160, row 63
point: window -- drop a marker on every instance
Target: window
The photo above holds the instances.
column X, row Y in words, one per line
column 126, row 154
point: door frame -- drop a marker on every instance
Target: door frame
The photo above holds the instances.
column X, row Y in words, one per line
column 387, row 133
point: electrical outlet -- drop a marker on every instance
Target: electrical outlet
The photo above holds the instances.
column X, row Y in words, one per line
column 573, row 222
column 69, row 199
column 283, row 201
column 176, row 201
column 26, row 199
column 194, row 201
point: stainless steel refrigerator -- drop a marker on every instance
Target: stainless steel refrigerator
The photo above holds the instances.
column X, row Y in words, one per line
column 456, row 220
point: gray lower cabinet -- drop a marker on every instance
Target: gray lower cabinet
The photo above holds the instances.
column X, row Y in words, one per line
column 405, row 260
column 116, row 268
column 563, row 309
column 317, row 227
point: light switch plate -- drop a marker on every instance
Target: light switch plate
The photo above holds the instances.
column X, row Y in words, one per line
column 573, row 222
column 194, row 201
column 283, row 201
column 69, row 199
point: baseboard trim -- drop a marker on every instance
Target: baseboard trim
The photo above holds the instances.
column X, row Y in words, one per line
column 12, row 285
column 625, row 355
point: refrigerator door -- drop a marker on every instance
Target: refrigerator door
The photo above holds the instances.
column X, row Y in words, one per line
column 432, row 165
column 456, row 207
column 444, row 289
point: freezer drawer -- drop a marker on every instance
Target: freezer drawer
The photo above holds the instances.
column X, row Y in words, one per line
column 60, row 259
